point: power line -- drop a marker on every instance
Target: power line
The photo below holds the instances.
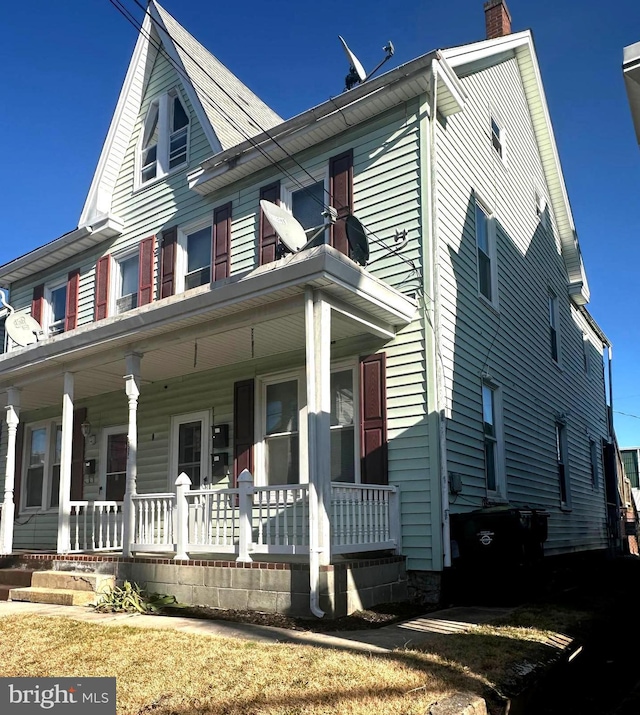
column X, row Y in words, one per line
column 626, row 414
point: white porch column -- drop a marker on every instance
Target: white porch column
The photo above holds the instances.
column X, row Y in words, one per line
column 318, row 341
column 8, row 504
column 132, row 387
column 64, row 495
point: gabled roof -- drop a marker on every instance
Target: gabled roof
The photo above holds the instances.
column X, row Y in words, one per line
column 227, row 110
column 631, row 72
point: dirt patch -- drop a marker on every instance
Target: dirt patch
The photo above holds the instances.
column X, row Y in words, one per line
column 382, row 615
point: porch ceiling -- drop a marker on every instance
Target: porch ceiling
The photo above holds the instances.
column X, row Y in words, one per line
column 255, row 315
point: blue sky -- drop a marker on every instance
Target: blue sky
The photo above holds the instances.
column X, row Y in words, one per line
column 66, row 61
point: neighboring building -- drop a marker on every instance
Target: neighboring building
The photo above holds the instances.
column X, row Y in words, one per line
column 459, row 369
column 631, row 73
column 631, row 462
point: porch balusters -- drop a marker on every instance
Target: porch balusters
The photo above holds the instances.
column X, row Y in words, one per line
column 8, row 505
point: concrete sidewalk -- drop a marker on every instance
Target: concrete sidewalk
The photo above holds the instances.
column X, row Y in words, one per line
column 376, row 640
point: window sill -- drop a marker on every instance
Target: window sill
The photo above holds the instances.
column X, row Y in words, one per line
column 493, row 307
column 159, row 179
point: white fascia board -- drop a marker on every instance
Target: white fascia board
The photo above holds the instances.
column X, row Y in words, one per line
column 194, row 97
column 477, row 51
column 631, row 73
column 521, row 44
column 98, row 202
column 60, row 249
column 452, row 84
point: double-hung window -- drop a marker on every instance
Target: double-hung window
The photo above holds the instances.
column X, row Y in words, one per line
column 485, row 252
column 284, row 428
column 56, row 306
column 554, row 338
column 562, row 456
column 492, row 435
column 41, row 470
column 114, row 463
column 127, row 281
column 307, row 202
column 194, row 256
column 498, row 138
column 164, row 140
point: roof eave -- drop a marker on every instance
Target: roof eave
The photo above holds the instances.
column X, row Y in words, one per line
column 631, row 73
column 328, row 119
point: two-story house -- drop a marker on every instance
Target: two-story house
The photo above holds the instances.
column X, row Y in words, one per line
column 245, row 426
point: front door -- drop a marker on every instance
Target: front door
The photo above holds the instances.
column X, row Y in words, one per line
column 116, row 461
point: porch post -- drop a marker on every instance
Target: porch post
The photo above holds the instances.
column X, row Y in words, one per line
column 64, row 494
column 132, row 388
column 322, row 330
column 8, row 505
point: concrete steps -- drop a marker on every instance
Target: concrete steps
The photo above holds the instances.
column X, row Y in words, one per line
column 11, row 578
column 65, row 588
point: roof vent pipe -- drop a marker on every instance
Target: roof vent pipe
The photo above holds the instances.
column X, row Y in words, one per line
column 497, row 19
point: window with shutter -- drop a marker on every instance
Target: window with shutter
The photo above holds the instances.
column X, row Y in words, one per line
column 101, row 302
column 268, row 241
column 168, row 262
column 373, row 416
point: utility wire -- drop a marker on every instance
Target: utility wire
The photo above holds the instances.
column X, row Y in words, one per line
column 626, row 414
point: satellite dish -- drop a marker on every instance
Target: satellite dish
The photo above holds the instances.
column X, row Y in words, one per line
column 23, row 329
column 357, row 75
column 356, row 70
column 289, row 230
column 358, row 241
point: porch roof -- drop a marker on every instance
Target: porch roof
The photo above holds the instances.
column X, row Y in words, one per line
column 248, row 315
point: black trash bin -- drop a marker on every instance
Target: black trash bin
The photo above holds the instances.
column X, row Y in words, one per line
column 497, row 550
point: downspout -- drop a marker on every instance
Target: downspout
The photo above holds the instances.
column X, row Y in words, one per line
column 441, row 396
column 314, row 545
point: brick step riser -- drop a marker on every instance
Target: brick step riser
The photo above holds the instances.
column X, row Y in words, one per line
column 75, row 581
column 59, row 596
column 15, row 577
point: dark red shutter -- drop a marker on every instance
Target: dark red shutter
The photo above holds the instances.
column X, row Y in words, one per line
column 221, row 242
column 145, row 278
column 77, row 455
column 269, row 240
column 168, row 262
column 103, row 268
column 243, row 430
column 73, row 289
column 17, row 480
column 37, row 303
column 373, row 420
column 341, row 191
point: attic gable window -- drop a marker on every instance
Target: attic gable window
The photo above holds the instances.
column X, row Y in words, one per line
column 164, row 144
column 498, row 138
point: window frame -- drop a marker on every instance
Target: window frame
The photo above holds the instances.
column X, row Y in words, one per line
column 288, row 189
column 164, row 102
column 562, row 464
column 182, row 256
column 499, row 137
column 115, row 276
column 553, row 317
column 51, row 426
column 47, row 313
column 260, row 422
column 497, row 439
column 595, row 461
column 203, row 416
column 491, row 256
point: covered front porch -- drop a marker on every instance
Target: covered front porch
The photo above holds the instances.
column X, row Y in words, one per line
column 308, row 310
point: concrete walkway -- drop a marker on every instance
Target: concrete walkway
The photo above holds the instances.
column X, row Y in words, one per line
column 377, row 640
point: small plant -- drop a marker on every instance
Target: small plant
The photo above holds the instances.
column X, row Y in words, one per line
column 131, row 598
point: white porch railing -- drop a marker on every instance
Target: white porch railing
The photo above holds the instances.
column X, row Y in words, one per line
column 364, row 518
column 154, row 522
column 268, row 520
column 95, row 526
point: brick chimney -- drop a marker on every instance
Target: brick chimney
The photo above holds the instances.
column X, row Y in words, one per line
column 497, row 19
